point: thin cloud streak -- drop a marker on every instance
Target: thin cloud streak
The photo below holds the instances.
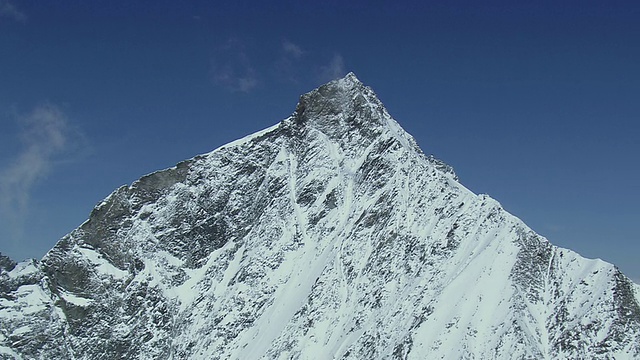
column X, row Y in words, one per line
column 289, row 65
column 45, row 135
column 292, row 49
column 232, row 66
column 333, row 70
column 8, row 10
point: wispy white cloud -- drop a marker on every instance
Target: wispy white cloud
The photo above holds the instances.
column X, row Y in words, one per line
column 333, row 70
column 232, row 65
column 229, row 76
column 232, row 69
column 289, row 64
column 292, row 49
column 8, row 10
column 45, row 135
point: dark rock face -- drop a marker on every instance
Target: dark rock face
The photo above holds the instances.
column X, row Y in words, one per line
column 329, row 235
column 6, row 264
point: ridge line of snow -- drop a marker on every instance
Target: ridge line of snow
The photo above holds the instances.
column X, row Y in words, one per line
column 247, row 138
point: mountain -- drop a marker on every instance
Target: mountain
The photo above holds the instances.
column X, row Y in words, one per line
column 330, row 235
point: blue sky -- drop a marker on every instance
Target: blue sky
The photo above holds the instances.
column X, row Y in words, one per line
column 534, row 103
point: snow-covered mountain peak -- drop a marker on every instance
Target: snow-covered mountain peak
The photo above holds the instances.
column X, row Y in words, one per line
column 341, row 96
column 349, row 112
column 327, row 236
column 349, row 80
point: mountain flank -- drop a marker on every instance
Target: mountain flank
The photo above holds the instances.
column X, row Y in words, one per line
column 329, row 235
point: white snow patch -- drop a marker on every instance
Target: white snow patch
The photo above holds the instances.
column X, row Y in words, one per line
column 24, row 268
column 8, row 351
column 21, row 330
column 102, row 265
column 120, row 331
column 75, row 300
column 188, row 292
column 30, row 299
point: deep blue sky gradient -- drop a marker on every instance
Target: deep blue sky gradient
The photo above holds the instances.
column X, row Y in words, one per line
column 534, row 103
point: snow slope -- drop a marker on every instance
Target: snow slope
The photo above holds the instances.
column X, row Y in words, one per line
column 327, row 236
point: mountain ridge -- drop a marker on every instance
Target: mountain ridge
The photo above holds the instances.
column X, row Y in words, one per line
column 330, row 234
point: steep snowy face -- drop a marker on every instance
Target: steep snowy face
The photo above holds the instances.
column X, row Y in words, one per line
column 328, row 235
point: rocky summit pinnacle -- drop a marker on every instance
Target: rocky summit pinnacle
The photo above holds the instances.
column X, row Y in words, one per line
column 344, row 107
column 327, row 236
